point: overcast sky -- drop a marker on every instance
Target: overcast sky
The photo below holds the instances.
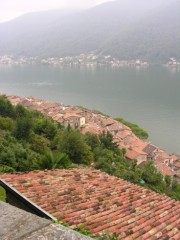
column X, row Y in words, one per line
column 10, row 9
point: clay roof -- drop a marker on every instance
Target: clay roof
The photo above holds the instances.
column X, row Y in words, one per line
column 138, row 144
column 107, row 122
column 132, row 154
column 71, row 115
column 93, row 128
column 115, row 127
column 177, row 163
column 163, row 168
column 175, row 157
column 149, row 149
column 165, row 155
column 101, row 202
column 124, row 133
column 162, row 157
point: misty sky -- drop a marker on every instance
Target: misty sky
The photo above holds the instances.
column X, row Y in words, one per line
column 10, row 9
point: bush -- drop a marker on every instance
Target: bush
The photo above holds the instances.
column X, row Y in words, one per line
column 6, row 108
column 6, row 169
column 45, row 127
column 7, row 123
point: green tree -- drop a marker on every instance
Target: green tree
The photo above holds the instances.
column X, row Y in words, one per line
column 71, row 142
column 54, row 160
column 106, row 140
column 104, row 160
column 168, row 181
column 39, row 143
column 45, row 127
column 134, row 174
column 15, row 154
column 23, row 128
column 6, row 108
column 151, row 175
column 92, row 140
column 7, row 123
column 6, row 169
column 21, row 111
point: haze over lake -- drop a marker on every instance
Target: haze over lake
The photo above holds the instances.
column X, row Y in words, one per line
column 149, row 97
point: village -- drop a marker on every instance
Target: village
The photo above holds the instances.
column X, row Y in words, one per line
column 89, row 60
column 173, row 62
column 92, row 121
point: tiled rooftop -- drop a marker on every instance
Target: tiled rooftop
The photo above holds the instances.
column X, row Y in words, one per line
column 149, row 149
column 132, row 154
column 163, row 168
column 101, row 202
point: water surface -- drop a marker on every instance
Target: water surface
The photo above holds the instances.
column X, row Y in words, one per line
column 149, row 97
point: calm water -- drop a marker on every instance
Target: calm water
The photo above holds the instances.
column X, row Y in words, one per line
column 149, row 97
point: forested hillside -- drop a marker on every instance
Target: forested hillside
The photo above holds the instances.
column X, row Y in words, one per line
column 125, row 29
column 30, row 141
column 155, row 38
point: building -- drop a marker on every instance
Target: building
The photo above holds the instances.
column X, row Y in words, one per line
column 74, row 120
column 97, row 201
column 139, row 156
column 150, row 150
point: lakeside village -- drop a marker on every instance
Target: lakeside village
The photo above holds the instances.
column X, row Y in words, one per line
column 89, row 60
column 95, row 122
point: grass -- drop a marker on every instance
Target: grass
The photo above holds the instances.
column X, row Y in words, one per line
column 2, row 194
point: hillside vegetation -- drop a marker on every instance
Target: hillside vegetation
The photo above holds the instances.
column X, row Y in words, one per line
column 30, row 141
column 2, row 194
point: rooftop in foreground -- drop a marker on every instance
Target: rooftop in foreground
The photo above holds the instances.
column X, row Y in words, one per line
column 100, row 202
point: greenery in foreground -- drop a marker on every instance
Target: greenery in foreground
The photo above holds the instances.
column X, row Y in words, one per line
column 2, row 194
column 81, row 229
column 30, row 141
column 139, row 132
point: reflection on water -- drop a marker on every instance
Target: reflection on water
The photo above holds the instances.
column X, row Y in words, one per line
column 147, row 96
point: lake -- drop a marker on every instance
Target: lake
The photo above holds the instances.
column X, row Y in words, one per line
column 149, row 97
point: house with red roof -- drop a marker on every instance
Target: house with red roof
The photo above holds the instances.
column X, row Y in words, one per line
column 139, row 156
column 150, row 150
column 97, row 201
column 164, row 163
column 164, row 169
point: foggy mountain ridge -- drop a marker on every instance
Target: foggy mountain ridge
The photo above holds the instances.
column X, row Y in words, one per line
column 124, row 28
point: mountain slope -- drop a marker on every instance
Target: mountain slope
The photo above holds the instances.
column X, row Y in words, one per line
column 124, row 28
column 156, row 37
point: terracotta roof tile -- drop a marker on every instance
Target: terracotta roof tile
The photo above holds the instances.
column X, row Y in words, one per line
column 177, row 163
column 149, row 148
column 107, row 122
column 93, row 128
column 163, row 168
column 71, row 115
column 132, row 154
column 100, row 202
